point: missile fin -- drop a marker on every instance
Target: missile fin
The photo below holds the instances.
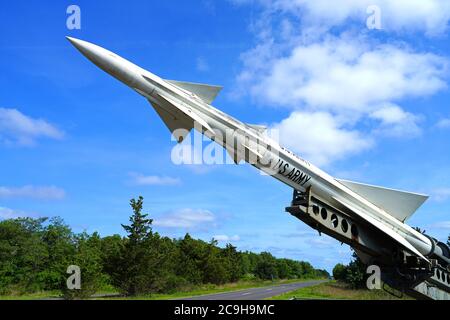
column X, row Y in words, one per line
column 383, row 228
column 174, row 123
column 177, row 109
column 208, row 93
column 399, row 204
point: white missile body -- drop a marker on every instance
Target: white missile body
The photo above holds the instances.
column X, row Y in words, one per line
column 187, row 105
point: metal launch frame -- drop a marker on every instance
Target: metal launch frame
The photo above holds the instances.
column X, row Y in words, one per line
column 405, row 273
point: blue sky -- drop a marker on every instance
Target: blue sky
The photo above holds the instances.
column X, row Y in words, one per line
column 369, row 105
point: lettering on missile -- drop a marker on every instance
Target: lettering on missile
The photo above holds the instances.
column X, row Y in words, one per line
column 289, row 171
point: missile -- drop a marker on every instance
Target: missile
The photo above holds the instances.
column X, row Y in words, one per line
column 372, row 219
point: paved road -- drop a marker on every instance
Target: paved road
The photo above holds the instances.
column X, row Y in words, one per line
column 257, row 293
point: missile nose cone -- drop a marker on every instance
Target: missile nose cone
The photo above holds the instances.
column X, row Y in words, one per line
column 76, row 43
column 89, row 50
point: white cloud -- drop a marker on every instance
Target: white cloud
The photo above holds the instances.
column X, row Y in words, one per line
column 345, row 90
column 142, row 180
column 396, row 122
column 6, row 213
column 443, row 124
column 342, row 74
column 319, row 137
column 190, row 219
column 225, row 238
column 17, row 128
column 33, row 192
column 430, row 16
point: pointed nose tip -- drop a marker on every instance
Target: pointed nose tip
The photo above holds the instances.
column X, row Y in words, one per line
column 87, row 49
column 75, row 42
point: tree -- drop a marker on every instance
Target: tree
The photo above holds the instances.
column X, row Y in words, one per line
column 356, row 273
column 140, row 228
column 111, row 251
column 137, row 266
column 233, row 263
column 340, row 272
column 214, row 265
column 23, row 255
column 266, row 268
column 190, row 260
column 284, row 270
column 89, row 258
column 60, row 242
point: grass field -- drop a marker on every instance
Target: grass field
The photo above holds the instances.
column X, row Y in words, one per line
column 338, row 291
column 32, row 296
column 212, row 289
column 188, row 292
column 328, row 290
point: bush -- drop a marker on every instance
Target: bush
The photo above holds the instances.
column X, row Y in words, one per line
column 354, row 274
column 340, row 272
column 266, row 269
column 88, row 258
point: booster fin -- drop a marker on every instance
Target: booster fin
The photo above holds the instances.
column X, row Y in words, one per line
column 208, row 93
column 177, row 116
column 399, row 204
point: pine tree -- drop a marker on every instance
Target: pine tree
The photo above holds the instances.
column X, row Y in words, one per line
column 138, row 263
column 140, row 228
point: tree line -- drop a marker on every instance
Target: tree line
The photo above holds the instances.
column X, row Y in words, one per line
column 35, row 255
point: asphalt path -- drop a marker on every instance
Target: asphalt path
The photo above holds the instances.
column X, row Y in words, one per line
column 257, row 293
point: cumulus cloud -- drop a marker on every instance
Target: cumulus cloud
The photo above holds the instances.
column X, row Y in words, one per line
column 430, row 17
column 32, row 192
column 319, row 137
column 344, row 89
column 396, row 122
column 187, row 219
column 343, row 74
column 17, row 128
column 225, row 238
column 143, row 180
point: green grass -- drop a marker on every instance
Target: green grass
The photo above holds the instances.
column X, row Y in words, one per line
column 336, row 290
column 186, row 293
column 33, row 296
column 210, row 289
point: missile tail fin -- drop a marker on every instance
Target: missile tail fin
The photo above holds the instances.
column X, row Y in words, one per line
column 208, row 93
column 174, row 123
column 399, row 204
